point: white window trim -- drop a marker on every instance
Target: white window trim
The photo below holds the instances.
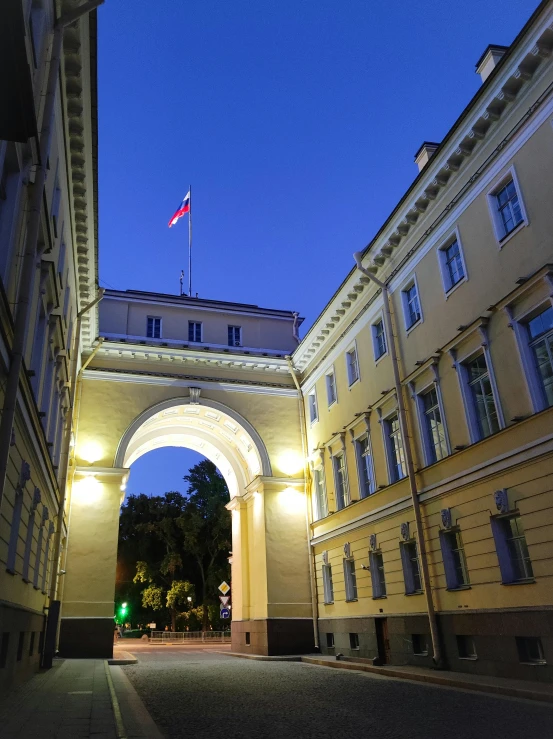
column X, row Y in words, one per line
column 466, row 395
column 234, row 327
column 201, row 331
column 313, row 393
column 383, row 421
column 529, row 370
column 440, row 253
column 331, row 371
column 378, row 319
column 155, row 318
column 497, row 184
column 411, row 280
column 347, row 493
column 350, row 348
column 358, row 461
column 419, row 404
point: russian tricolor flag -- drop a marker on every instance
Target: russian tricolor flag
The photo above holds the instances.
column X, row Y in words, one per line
column 182, row 210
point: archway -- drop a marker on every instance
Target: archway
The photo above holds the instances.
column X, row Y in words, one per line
column 122, row 418
column 214, row 430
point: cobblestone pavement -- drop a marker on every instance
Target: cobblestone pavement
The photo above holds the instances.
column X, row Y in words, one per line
column 203, row 694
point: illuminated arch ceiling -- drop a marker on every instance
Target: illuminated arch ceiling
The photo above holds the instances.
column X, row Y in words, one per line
column 210, row 428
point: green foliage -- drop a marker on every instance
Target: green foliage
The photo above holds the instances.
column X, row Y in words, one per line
column 178, row 546
column 178, row 594
column 152, row 597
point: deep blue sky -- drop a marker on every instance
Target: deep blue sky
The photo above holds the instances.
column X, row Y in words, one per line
column 296, row 123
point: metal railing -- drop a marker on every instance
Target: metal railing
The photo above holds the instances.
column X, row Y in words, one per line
column 183, row 637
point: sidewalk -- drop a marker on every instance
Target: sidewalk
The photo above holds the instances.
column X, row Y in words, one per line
column 459, row 680
column 76, row 698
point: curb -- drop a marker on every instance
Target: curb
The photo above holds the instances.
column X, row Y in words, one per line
column 262, row 657
column 120, row 657
column 433, row 678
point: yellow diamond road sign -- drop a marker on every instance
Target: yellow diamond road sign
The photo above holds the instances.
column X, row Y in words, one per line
column 224, row 587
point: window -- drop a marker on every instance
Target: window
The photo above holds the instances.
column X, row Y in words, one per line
column 420, row 644
column 20, row 644
column 194, row 331
column 329, row 640
column 394, row 449
column 465, row 647
column 313, row 410
column 411, row 305
column 340, row 479
column 540, row 330
column 365, row 466
column 435, row 446
column 235, row 336
column 247, row 635
column 411, row 568
column 32, row 644
column 4, row 646
column 331, row 388
column 328, row 587
column 508, row 208
column 319, row 495
column 377, row 574
column 481, row 396
column 453, row 553
column 451, row 264
column 153, row 328
column 530, row 650
column 512, row 551
column 354, row 641
column 352, row 365
column 379, row 339
column 350, row 579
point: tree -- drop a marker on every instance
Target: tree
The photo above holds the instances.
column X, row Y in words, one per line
column 176, row 545
column 206, row 528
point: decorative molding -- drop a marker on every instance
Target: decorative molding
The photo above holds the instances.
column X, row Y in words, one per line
column 446, row 517
column 372, row 542
column 194, row 395
column 347, row 550
column 404, row 531
column 501, row 499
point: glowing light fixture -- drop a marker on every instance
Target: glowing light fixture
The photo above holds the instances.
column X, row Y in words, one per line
column 290, row 463
column 91, row 452
column 292, row 500
column 88, row 490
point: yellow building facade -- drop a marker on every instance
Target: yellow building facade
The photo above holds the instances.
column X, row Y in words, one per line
column 389, row 475
column 465, row 263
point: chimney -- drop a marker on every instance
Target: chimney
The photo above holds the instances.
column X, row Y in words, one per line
column 489, row 60
column 423, row 155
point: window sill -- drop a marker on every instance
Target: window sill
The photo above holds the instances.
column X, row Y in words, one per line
column 417, row 592
column 527, row 581
column 328, row 603
column 454, row 287
column 354, row 382
column 377, row 359
column 504, row 239
column 420, row 654
column 413, row 326
column 469, row 659
column 379, row 597
column 534, row 664
column 460, row 587
column 352, row 600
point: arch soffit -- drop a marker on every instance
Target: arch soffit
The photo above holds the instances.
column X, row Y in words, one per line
column 153, row 410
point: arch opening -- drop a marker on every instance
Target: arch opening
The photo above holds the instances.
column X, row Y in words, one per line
column 207, row 427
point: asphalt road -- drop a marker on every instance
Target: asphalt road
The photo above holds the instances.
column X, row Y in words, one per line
column 198, row 693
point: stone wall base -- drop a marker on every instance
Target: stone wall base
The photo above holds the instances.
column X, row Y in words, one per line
column 86, row 637
column 493, row 635
column 273, row 636
column 21, row 640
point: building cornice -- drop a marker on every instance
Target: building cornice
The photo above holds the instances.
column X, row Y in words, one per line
column 527, row 56
column 140, row 377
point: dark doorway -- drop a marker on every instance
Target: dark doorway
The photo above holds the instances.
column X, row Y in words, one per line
column 382, row 640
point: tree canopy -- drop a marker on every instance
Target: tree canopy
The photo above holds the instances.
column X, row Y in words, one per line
column 173, row 551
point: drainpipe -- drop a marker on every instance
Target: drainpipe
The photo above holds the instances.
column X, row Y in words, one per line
column 69, row 425
column 28, row 269
column 392, row 341
column 314, row 603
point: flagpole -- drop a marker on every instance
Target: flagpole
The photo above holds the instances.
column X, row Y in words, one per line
column 190, row 244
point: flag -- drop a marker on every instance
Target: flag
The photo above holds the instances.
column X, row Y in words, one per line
column 183, row 208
